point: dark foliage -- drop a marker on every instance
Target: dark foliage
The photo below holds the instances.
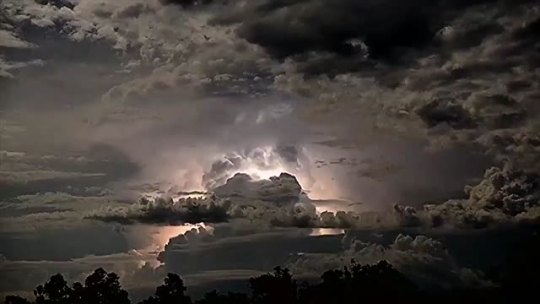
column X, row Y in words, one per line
column 214, row 297
column 354, row 284
column 172, row 291
column 359, row 284
column 278, row 287
column 99, row 288
column 16, row 300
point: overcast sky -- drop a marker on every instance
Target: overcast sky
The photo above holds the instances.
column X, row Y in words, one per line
column 417, row 117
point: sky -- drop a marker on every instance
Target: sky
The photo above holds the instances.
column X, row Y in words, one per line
column 220, row 138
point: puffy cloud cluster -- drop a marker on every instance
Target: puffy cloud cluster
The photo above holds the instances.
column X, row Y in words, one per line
column 165, row 211
column 194, row 235
column 471, row 80
column 287, row 28
column 520, row 146
column 504, row 196
column 512, row 191
column 161, row 47
column 256, row 162
column 251, row 203
column 282, row 189
column 423, row 259
column 9, row 40
column 276, row 200
column 27, row 15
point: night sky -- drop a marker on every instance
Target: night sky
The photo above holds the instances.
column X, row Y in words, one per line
column 219, row 139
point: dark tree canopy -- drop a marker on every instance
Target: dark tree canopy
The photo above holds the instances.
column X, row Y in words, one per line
column 55, row 291
column 215, row 297
column 103, row 288
column 378, row 283
column 278, row 287
column 172, row 291
column 359, row 284
column 16, row 300
column 99, row 288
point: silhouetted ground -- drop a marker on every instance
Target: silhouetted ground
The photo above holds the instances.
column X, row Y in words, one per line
column 517, row 281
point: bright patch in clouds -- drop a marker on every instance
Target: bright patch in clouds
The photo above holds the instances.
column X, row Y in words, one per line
column 164, row 234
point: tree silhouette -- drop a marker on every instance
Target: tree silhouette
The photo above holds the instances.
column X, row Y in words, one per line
column 214, row 297
column 172, row 291
column 379, row 282
column 521, row 271
column 277, row 287
column 16, row 300
column 55, row 291
column 353, row 284
column 101, row 288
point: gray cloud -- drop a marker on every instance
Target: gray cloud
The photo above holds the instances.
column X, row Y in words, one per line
column 236, row 250
column 240, row 197
column 22, row 276
column 422, row 259
column 284, row 28
column 165, row 211
column 504, row 196
column 86, row 172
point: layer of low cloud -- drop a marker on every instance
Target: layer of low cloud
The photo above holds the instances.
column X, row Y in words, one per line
column 504, row 197
column 422, row 259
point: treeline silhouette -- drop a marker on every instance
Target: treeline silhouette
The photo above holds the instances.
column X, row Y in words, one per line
column 353, row 284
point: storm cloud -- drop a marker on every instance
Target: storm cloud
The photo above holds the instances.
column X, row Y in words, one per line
column 131, row 122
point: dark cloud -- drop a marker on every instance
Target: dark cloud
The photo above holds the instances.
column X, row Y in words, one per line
column 495, row 111
column 440, row 111
column 75, row 172
column 288, row 153
column 58, row 3
column 504, row 197
column 297, row 27
column 166, row 211
column 407, row 216
column 256, row 251
column 386, row 30
column 424, row 260
column 62, row 244
column 29, row 182
column 516, row 146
